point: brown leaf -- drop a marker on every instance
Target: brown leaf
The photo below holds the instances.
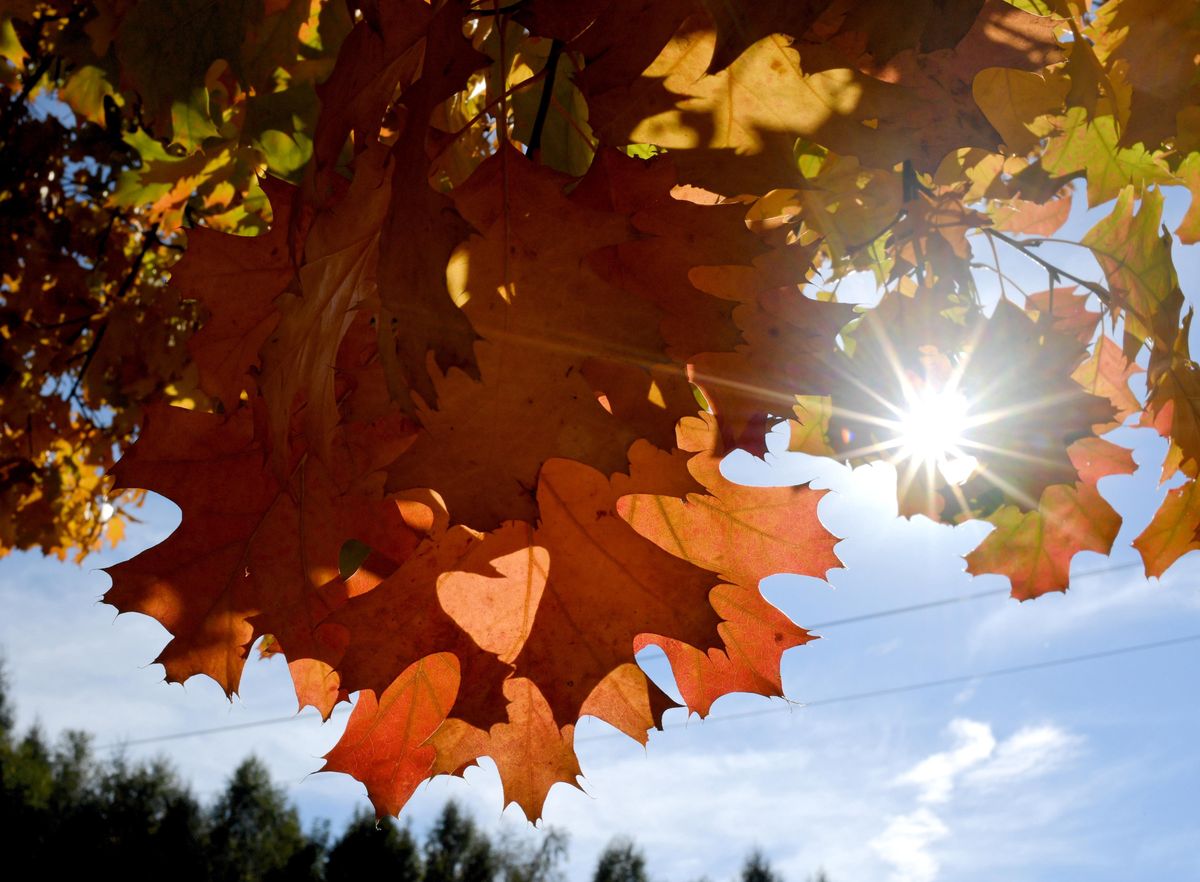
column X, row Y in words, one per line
column 252, row 555
column 787, row 351
column 403, row 620
column 572, row 361
column 238, row 279
column 606, row 585
column 417, row 315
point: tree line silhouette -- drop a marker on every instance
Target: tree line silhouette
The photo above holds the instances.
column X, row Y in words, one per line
column 67, row 810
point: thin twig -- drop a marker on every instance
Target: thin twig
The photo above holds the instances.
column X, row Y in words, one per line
column 1005, row 276
column 1097, row 289
column 149, row 240
column 539, row 121
column 28, row 84
column 126, row 284
column 999, row 274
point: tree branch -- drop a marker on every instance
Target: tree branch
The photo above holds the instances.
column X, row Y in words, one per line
column 1024, row 247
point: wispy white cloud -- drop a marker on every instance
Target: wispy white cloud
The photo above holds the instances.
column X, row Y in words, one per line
column 905, row 844
column 936, row 773
column 1030, row 752
column 976, row 762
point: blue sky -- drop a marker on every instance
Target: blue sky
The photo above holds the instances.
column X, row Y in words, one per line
column 1082, row 772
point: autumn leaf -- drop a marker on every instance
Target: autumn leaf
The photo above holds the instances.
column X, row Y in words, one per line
column 1034, row 549
column 230, row 572
column 744, row 534
column 1173, row 380
column 629, row 701
column 1154, row 40
column 1091, row 146
column 1019, row 104
column 787, row 350
column 532, row 752
column 385, row 745
column 604, row 574
column 1172, row 532
column 569, row 354
column 1135, row 259
column 754, row 635
column 238, row 279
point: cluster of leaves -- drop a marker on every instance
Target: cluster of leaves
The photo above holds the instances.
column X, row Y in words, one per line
column 82, row 294
column 443, row 445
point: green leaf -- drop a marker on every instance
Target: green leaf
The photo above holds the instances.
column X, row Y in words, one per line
column 1091, row 147
column 167, row 47
column 1135, row 259
column 351, row 557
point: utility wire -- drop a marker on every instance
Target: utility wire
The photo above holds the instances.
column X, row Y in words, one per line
column 910, row 687
column 955, row 599
column 944, row 681
column 215, row 730
column 917, row 607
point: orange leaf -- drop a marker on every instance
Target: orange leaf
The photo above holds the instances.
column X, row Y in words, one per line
column 606, row 585
column 1172, row 532
column 531, row 752
column 742, row 533
column 402, row 620
column 755, row 635
column 385, row 742
column 628, row 701
column 1034, row 549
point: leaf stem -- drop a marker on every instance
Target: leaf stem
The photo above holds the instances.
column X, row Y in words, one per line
column 539, row 121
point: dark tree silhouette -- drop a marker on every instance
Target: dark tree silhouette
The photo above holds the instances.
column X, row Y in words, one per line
column 383, row 849
column 758, row 869
column 456, row 851
column 72, row 814
column 142, row 818
column 256, row 833
column 621, row 861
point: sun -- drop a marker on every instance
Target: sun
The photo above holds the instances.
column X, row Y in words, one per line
column 930, row 429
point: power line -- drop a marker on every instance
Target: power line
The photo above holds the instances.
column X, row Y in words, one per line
column 820, row 702
column 944, row 681
column 215, row 730
column 958, row 598
column 928, row 604
column 645, row 656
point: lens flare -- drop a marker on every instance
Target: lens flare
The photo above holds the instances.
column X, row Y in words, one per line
column 929, row 432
